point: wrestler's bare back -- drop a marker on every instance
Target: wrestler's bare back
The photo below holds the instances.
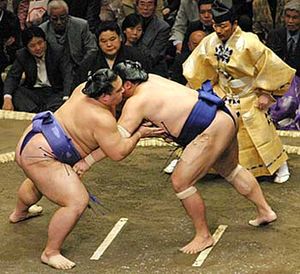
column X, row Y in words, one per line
column 165, row 103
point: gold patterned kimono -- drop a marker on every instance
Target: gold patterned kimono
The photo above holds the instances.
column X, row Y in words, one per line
column 241, row 70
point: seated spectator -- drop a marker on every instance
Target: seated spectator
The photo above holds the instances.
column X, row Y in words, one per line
column 72, row 36
column 285, row 42
column 176, row 70
column 188, row 12
column 111, row 49
column 129, row 6
column 132, row 28
column 9, row 40
column 47, row 80
column 155, row 36
column 204, row 22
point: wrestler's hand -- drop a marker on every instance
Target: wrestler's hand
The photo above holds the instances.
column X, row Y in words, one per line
column 81, row 167
column 147, row 129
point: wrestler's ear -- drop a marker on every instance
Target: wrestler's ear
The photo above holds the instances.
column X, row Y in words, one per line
column 104, row 98
column 127, row 85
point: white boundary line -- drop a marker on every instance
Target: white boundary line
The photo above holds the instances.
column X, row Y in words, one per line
column 203, row 255
column 109, row 238
column 7, row 157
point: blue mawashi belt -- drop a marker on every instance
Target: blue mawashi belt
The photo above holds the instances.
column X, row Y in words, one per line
column 61, row 145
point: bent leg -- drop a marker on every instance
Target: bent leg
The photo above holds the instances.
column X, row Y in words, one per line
column 28, row 195
column 69, row 193
column 245, row 183
column 198, row 157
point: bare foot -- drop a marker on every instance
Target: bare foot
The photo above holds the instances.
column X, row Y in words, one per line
column 32, row 211
column 198, row 244
column 264, row 220
column 57, row 261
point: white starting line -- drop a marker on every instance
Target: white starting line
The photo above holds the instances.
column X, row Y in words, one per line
column 203, row 255
column 109, row 238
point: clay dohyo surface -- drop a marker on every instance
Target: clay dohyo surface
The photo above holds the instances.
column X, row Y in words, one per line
column 157, row 224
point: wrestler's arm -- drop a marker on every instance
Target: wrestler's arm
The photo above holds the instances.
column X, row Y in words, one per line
column 132, row 114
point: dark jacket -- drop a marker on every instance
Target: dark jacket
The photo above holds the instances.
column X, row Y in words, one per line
column 277, row 41
column 125, row 53
column 154, row 41
column 58, row 71
column 80, row 48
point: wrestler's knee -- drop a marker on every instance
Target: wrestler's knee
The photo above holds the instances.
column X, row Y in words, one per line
column 241, row 179
column 179, row 183
column 79, row 204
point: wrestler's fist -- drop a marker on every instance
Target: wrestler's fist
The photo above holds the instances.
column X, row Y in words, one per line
column 147, row 129
column 81, row 167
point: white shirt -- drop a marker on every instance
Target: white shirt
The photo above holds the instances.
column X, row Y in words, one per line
column 42, row 77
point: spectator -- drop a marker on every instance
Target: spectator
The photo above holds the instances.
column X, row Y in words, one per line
column 204, row 21
column 155, row 36
column 111, row 50
column 47, row 76
column 188, row 12
column 176, row 71
column 285, row 42
column 132, row 28
column 9, row 40
column 129, row 7
column 246, row 74
column 72, row 36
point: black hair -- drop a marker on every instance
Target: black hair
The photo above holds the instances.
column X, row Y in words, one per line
column 132, row 20
column 100, row 83
column 31, row 32
column 108, row 25
column 132, row 71
column 137, row 2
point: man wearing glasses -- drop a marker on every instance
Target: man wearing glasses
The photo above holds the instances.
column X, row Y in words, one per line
column 72, row 36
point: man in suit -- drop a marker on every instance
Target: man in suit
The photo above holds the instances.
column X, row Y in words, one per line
column 72, row 36
column 285, row 41
column 155, row 36
column 48, row 78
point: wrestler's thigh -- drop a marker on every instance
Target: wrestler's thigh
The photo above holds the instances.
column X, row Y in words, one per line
column 228, row 160
column 196, row 159
column 57, row 181
column 203, row 152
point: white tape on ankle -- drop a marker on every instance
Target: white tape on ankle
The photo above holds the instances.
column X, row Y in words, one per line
column 186, row 193
column 90, row 160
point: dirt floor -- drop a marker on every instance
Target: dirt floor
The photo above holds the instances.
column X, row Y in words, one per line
column 157, row 224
